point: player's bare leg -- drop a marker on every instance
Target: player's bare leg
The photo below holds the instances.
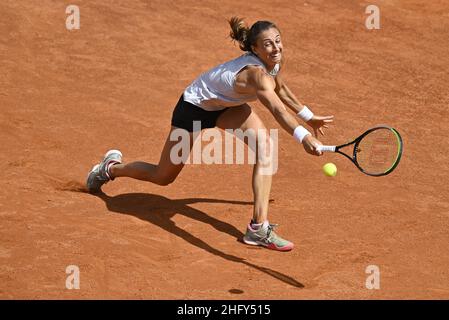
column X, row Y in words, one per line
column 259, row 231
column 244, row 118
column 163, row 173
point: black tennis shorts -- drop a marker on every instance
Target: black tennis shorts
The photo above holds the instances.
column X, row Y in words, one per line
column 185, row 113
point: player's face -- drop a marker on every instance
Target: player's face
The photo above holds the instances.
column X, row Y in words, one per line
column 269, row 47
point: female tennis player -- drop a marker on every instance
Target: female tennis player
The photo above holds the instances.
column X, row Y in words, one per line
column 219, row 98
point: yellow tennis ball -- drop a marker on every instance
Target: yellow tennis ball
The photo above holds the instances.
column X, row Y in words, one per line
column 330, row 169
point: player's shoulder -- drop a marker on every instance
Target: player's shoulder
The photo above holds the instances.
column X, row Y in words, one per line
column 259, row 77
column 257, row 71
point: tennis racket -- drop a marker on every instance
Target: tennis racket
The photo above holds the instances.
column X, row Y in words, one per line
column 376, row 152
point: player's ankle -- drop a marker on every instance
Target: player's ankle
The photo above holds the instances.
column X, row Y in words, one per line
column 255, row 225
column 111, row 170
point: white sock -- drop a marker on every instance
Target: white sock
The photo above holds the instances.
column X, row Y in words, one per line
column 257, row 226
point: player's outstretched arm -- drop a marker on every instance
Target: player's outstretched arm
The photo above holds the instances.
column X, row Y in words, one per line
column 318, row 123
column 265, row 86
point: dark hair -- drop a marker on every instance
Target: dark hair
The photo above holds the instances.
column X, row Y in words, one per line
column 247, row 37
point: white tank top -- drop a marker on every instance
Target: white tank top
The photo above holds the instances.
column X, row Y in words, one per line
column 214, row 89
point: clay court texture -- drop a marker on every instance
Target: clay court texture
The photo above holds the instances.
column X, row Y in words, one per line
column 68, row 96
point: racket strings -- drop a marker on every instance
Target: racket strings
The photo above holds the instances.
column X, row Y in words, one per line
column 378, row 151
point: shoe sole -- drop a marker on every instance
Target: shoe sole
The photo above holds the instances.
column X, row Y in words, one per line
column 252, row 243
column 268, row 246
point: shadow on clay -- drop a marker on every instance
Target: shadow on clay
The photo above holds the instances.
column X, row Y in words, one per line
column 159, row 210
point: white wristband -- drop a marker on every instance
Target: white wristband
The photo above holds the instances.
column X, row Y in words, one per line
column 305, row 114
column 300, row 133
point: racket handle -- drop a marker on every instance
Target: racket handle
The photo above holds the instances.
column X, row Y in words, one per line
column 327, row 148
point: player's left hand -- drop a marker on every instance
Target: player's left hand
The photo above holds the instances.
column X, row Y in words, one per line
column 318, row 123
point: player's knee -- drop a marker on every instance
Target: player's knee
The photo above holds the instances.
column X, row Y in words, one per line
column 264, row 141
column 166, row 180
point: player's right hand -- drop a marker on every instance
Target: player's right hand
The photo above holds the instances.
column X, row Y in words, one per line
column 310, row 144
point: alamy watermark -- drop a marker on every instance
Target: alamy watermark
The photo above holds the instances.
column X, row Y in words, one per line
column 373, row 20
column 73, row 280
column 262, row 147
column 373, row 280
column 73, row 20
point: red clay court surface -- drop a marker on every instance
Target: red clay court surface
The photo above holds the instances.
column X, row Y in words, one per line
column 66, row 97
